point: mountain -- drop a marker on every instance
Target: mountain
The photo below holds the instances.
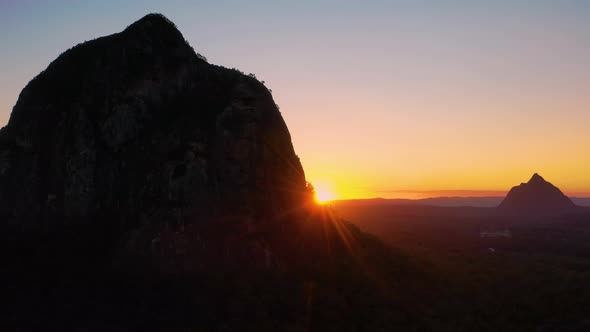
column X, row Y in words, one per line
column 136, row 128
column 536, row 197
column 142, row 188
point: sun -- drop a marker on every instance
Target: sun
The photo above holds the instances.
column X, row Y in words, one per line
column 323, row 193
column 322, row 197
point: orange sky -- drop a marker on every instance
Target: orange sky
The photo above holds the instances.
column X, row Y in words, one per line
column 382, row 98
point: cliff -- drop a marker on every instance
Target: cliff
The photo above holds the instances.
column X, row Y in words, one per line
column 136, row 128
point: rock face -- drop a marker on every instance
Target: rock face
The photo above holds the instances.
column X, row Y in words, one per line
column 136, row 127
column 536, row 197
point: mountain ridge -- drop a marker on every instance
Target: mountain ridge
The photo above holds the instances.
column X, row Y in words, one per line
column 476, row 201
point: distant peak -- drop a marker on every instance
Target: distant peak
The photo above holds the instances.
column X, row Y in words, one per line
column 536, row 178
column 536, row 197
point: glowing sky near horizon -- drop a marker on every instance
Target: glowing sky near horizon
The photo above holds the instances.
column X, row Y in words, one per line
column 382, row 98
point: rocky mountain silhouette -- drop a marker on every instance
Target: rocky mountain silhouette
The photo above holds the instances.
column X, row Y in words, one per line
column 536, row 197
column 142, row 188
column 135, row 128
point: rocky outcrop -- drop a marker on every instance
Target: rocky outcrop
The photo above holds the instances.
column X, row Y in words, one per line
column 142, row 189
column 136, row 128
column 536, row 197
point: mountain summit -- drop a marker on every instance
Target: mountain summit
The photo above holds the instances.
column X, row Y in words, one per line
column 137, row 129
column 536, row 197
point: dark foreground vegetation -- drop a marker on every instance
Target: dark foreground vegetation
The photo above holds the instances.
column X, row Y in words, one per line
column 437, row 273
column 323, row 275
column 499, row 273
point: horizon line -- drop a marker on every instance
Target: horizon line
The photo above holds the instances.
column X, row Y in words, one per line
column 462, row 193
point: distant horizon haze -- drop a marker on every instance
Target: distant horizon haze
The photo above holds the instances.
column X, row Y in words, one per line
column 412, row 194
column 336, row 193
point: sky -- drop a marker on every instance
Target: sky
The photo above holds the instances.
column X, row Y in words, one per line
column 403, row 99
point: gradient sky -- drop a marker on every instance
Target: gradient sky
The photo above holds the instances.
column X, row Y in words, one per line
column 382, row 98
